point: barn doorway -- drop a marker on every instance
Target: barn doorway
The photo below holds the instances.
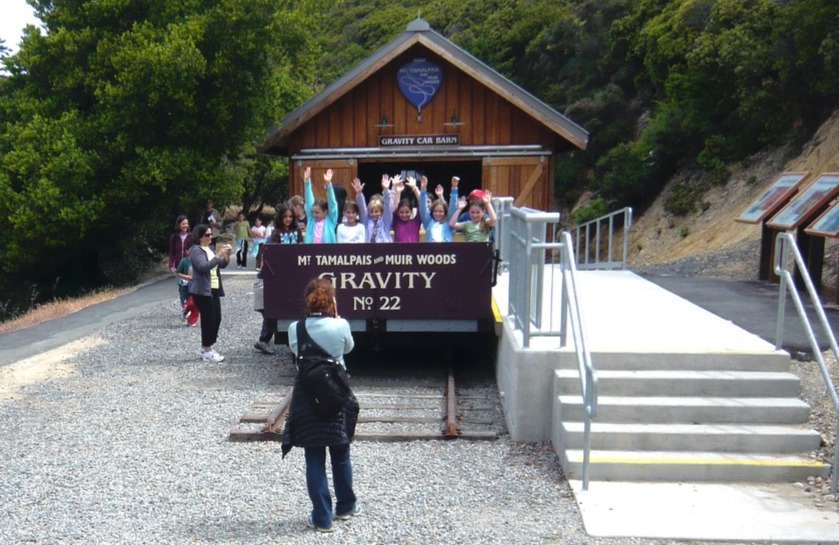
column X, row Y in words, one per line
column 437, row 172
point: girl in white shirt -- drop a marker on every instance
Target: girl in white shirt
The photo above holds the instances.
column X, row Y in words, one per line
column 351, row 231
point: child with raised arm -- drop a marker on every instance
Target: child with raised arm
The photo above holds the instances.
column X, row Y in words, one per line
column 406, row 225
column 350, row 231
column 376, row 217
column 478, row 228
column 435, row 217
column 322, row 214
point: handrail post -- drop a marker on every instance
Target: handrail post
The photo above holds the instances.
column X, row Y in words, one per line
column 781, row 264
column 627, row 226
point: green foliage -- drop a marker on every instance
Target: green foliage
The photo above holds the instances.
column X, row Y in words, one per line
column 594, row 209
column 682, row 198
column 126, row 114
column 626, row 174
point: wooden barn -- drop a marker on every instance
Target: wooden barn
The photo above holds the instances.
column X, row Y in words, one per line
column 421, row 105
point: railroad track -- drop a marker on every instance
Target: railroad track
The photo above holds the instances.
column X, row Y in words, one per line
column 395, row 410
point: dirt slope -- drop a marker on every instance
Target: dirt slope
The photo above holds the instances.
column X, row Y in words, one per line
column 661, row 238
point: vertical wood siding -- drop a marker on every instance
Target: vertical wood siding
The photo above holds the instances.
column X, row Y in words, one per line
column 488, row 119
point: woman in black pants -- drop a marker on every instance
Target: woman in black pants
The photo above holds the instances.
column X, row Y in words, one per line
column 206, row 288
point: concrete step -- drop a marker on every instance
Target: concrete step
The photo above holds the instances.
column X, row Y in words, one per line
column 612, row 465
column 683, row 409
column 775, row 361
column 689, row 437
column 685, row 383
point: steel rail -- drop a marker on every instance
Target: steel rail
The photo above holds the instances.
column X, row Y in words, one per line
column 450, row 428
column 785, row 247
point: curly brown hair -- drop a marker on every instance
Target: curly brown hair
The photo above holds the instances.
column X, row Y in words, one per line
column 320, row 297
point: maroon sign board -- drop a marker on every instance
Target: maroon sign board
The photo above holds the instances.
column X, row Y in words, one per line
column 443, row 281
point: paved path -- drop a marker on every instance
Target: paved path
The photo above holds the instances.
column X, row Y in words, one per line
column 752, row 306
column 28, row 342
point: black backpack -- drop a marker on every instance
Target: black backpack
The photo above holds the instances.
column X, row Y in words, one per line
column 324, row 380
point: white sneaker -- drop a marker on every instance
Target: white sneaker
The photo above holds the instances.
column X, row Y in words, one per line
column 213, row 357
column 200, row 352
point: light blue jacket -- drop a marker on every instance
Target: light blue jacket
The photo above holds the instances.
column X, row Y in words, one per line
column 331, row 220
column 428, row 219
column 332, row 334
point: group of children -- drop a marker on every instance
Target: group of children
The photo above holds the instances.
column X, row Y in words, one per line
column 387, row 217
column 316, row 221
column 249, row 238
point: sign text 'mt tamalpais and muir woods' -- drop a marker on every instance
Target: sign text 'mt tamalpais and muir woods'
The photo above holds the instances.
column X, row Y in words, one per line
column 399, row 281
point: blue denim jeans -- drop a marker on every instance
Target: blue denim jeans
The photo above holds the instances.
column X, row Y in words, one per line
column 183, row 293
column 319, row 487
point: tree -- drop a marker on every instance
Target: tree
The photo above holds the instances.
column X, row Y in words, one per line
column 125, row 113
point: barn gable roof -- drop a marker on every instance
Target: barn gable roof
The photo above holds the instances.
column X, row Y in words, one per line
column 420, row 32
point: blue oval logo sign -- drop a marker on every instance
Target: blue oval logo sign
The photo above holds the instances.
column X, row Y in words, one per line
column 419, row 81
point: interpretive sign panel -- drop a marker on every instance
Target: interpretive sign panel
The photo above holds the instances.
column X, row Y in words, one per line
column 773, row 198
column 806, row 203
column 388, row 281
column 827, row 225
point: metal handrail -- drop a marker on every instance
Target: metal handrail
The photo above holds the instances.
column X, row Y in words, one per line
column 528, row 247
column 501, row 243
column 588, row 374
column 785, row 247
column 591, row 256
column 527, row 250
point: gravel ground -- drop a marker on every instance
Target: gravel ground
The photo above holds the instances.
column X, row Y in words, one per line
column 130, row 447
column 739, row 263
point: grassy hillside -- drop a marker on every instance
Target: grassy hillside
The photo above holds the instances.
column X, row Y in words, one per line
column 660, row 238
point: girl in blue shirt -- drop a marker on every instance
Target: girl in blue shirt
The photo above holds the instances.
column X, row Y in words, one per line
column 435, row 218
column 322, row 214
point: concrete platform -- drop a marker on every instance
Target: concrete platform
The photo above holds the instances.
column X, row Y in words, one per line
column 779, row 513
column 753, row 306
column 626, row 317
column 630, row 318
column 627, row 313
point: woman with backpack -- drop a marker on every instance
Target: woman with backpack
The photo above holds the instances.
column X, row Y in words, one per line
column 321, row 340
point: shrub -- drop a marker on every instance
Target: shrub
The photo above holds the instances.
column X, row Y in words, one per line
column 594, row 209
column 683, row 198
